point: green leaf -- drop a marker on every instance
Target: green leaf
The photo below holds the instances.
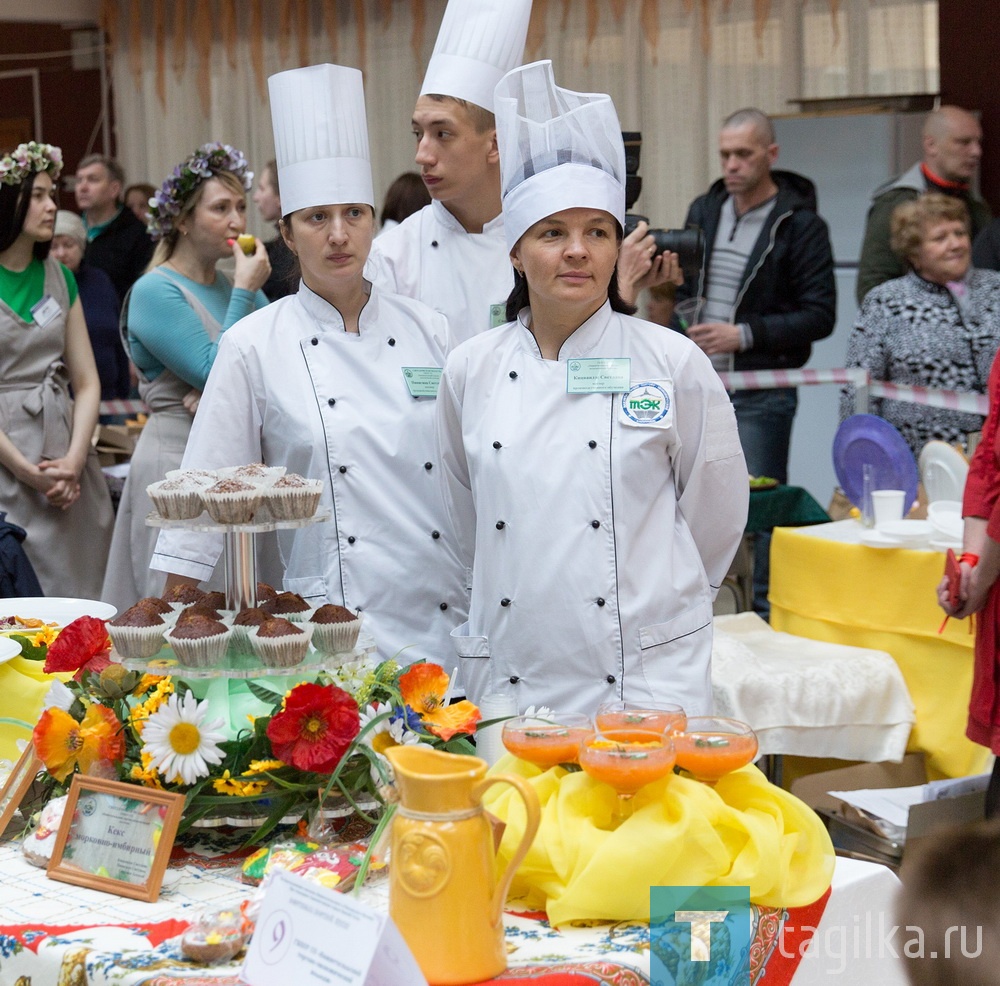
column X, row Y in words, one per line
column 28, row 650
column 263, row 693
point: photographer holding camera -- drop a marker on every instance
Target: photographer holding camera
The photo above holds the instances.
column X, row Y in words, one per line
column 769, row 291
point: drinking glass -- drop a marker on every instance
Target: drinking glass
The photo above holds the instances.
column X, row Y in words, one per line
column 547, row 740
column 664, row 718
column 711, row 747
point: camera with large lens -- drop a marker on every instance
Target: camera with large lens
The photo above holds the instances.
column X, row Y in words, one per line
column 688, row 244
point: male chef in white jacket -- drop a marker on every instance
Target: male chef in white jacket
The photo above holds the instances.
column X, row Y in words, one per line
column 452, row 254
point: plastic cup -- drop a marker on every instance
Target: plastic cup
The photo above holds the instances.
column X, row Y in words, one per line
column 887, row 506
column 689, row 311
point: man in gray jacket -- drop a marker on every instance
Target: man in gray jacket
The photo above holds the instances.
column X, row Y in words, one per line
column 952, row 140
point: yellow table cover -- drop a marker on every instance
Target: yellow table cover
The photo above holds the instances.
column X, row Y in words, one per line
column 742, row 832
column 885, row 599
column 23, row 687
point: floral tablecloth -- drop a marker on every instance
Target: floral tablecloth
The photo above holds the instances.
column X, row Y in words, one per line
column 55, row 934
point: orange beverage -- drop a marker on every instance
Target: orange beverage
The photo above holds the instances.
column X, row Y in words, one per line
column 659, row 720
column 627, row 759
column 712, row 748
column 546, row 742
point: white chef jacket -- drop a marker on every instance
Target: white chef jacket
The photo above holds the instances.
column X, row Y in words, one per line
column 602, row 523
column 429, row 256
column 291, row 387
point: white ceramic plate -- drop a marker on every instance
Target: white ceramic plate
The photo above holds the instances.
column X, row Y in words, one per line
column 8, row 649
column 942, row 471
column 55, row 609
column 875, row 539
column 907, row 532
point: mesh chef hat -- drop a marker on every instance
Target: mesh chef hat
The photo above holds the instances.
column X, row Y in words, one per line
column 478, row 41
column 559, row 149
column 320, row 137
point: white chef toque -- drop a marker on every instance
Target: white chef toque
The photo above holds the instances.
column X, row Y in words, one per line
column 478, row 42
column 559, row 149
column 320, row 137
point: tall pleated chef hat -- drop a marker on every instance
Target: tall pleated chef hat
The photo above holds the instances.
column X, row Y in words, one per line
column 479, row 40
column 320, row 137
column 559, row 149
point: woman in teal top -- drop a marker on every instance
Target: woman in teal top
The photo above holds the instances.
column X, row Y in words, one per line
column 175, row 314
column 50, row 479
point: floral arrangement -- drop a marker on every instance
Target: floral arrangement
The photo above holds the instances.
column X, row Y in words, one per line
column 208, row 160
column 322, row 738
column 33, row 635
column 30, row 159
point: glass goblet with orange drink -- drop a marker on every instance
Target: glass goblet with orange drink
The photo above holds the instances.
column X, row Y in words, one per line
column 547, row 740
column 711, row 747
column 664, row 718
column 627, row 760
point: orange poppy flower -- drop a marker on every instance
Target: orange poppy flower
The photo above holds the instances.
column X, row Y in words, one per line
column 423, row 688
column 63, row 744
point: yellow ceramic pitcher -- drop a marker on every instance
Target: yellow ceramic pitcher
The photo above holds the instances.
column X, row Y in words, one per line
column 443, row 892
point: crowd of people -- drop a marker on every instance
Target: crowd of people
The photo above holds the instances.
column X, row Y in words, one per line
column 560, row 504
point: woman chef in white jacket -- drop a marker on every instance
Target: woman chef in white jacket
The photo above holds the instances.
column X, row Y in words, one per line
column 592, row 460
column 336, row 382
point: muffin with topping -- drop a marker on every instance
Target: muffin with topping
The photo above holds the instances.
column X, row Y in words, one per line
column 293, row 497
column 199, row 641
column 335, row 629
column 176, row 499
column 232, row 501
column 279, row 643
column 137, row 633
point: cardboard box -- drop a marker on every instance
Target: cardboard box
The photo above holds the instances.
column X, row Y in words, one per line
column 852, row 832
column 114, row 444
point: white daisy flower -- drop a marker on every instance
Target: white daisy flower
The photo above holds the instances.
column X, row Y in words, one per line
column 58, row 696
column 178, row 740
column 383, row 735
column 541, row 711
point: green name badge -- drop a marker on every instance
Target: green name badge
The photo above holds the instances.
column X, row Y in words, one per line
column 422, row 381
column 598, row 376
column 498, row 314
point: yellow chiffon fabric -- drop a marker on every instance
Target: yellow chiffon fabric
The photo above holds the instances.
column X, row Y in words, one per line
column 742, row 832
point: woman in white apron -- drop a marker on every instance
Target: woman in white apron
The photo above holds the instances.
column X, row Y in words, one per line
column 592, row 459
column 50, row 479
column 174, row 317
column 337, row 383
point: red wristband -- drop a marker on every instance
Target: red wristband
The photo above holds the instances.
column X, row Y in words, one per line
column 969, row 558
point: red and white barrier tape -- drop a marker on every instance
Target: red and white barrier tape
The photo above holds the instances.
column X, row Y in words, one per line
column 953, row 400
column 123, row 407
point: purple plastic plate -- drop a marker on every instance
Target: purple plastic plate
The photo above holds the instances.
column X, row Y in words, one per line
column 865, row 439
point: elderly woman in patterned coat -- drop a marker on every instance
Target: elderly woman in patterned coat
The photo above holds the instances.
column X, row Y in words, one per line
column 938, row 326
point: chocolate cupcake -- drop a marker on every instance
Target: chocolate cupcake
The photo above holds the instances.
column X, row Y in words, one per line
column 215, row 599
column 279, row 643
column 288, row 604
column 244, row 621
column 137, row 633
column 232, row 501
column 200, row 608
column 293, row 497
column 199, row 641
column 265, row 592
column 335, row 629
column 176, row 499
column 183, row 594
column 155, row 604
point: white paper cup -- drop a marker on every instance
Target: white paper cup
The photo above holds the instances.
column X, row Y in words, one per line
column 887, row 506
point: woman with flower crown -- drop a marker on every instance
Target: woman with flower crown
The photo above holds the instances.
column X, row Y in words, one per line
column 175, row 315
column 336, row 382
column 50, row 479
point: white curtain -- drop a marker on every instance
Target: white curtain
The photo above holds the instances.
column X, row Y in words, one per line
column 675, row 69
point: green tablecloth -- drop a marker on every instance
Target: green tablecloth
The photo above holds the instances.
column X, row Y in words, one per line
column 783, row 506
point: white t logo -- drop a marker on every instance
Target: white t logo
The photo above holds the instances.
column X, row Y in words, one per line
column 701, row 931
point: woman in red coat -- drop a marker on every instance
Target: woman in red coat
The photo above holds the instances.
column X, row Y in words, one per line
column 979, row 589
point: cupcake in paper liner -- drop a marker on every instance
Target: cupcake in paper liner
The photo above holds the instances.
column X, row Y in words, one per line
column 137, row 633
column 232, row 501
column 293, row 497
column 243, row 622
column 182, row 595
column 202, row 478
column 279, row 643
column 335, row 629
column 199, row 642
column 253, row 472
column 176, row 499
column 289, row 605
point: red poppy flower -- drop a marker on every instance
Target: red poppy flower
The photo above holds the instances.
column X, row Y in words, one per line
column 81, row 645
column 315, row 728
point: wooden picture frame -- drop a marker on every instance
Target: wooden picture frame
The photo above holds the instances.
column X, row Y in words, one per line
column 115, row 837
column 16, row 786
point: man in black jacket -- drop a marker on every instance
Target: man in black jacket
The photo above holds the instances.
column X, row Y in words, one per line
column 769, row 290
column 117, row 242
